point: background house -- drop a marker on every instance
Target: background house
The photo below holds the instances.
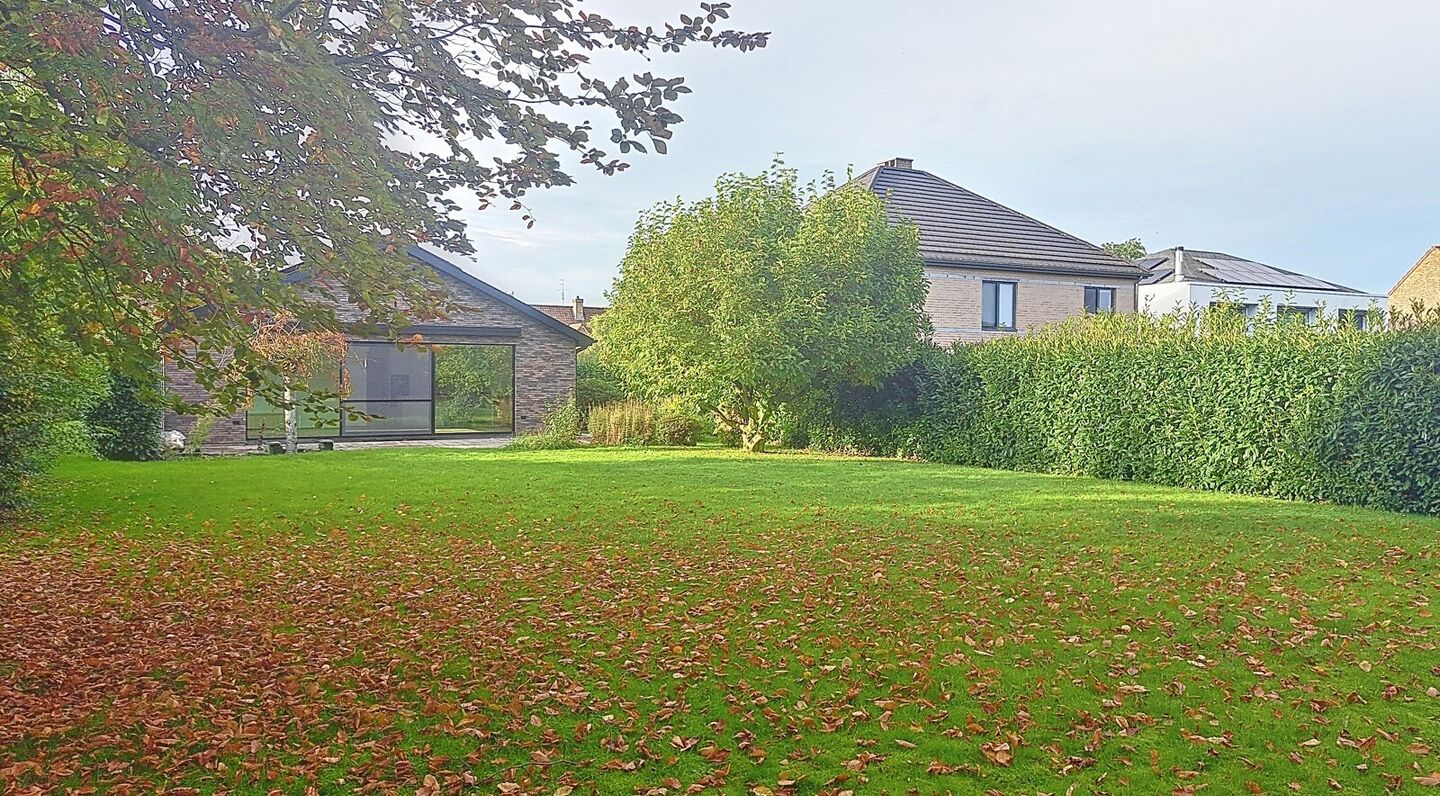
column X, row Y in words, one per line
column 502, row 366
column 576, row 314
column 1420, row 284
column 994, row 271
column 1179, row 278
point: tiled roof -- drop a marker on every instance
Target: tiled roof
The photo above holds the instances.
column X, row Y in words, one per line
column 565, row 313
column 961, row 227
column 1227, row 269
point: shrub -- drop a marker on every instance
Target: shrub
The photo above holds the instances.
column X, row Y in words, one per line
column 44, row 383
column 636, row 422
column 559, row 430
column 1210, row 400
column 126, row 424
column 70, row 438
column 596, row 381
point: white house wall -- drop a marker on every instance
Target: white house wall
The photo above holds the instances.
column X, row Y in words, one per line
column 1165, row 297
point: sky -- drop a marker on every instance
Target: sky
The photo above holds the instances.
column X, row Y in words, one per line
column 1301, row 133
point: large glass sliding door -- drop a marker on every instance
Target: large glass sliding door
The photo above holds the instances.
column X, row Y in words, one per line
column 474, row 389
column 409, row 391
column 390, row 386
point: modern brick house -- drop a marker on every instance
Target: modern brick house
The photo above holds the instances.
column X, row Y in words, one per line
column 499, row 366
column 993, row 271
column 1420, row 284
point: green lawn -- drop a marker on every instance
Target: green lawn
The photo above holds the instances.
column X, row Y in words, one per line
column 623, row 621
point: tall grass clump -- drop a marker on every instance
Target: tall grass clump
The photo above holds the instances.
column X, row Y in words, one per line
column 636, row 422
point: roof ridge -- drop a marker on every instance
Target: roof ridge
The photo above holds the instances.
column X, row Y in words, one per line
column 1118, row 261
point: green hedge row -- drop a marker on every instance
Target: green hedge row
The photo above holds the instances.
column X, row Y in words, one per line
column 1210, row 400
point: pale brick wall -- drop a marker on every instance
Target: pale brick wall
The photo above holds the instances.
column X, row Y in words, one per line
column 953, row 302
column 544, row 365
column 1422, row 284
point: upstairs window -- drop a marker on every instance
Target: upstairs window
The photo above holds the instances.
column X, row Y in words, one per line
column 1355, row 318
column 997, row 306
column 1099, row 299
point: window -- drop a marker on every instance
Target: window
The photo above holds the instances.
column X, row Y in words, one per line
column 265, row 421
column 1303, row 314
column 997, row 305
column 474, row 389
column 1099, row 299
column 394, row 390
column 1354, row 318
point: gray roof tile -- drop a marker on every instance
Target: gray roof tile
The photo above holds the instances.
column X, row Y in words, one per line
column 961, row 227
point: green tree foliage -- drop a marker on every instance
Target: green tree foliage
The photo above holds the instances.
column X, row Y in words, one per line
column 767, row 294
column 597, row 381
column 126, row 424
column 1131, row 250
column 1209, row 399
column 159, row 156
column 45, row 383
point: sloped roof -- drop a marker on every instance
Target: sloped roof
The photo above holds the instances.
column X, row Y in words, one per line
column 1227, row 269
column 960, row 227
column 453, row 271
column 565, row 313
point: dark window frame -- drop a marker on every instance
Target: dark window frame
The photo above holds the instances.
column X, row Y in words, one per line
column 404, row 435
column 1091, row 301
column 995, row 325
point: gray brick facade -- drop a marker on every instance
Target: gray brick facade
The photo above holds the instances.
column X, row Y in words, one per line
column 544, row 356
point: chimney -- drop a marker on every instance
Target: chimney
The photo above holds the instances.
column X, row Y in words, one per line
column 1179, row 263
column 579, row 305
column 899, row 163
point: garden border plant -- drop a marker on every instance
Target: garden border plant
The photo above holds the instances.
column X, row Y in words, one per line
column 1208, row 399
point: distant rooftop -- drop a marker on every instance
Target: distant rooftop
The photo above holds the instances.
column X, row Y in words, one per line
column 961, row 227
column 1227, row 269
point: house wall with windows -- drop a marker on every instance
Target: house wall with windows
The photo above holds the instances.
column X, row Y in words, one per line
column 455, row 384
column 1165, row 297
column 957, row 304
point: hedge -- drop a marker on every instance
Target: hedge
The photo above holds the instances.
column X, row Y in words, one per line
column 1210, row 400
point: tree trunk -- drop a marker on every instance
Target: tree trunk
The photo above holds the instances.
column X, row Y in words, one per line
column 752, row 440
column 292, row 423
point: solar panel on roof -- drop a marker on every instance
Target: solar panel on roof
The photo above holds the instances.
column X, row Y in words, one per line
column 1245, row 271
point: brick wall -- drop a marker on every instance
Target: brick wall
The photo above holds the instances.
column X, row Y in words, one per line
column 954, row 303
column 544, row 365
column 1422, row 283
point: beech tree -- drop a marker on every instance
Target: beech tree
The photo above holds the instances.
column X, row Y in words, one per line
column 765, row 294
column 160, row 156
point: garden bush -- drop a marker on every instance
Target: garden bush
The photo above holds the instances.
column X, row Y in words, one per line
column 126, row 423
column 596, row 381
column 636, row 422
column 45, row 384
column 1211, row 400
column 560, row 430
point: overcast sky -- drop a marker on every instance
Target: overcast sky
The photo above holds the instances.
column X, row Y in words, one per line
column 1304, row 133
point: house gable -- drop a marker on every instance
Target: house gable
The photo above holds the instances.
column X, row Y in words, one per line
column 1420, row 284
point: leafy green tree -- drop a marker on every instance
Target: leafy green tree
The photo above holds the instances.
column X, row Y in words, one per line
column 765, row 294
column 1131, row 249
